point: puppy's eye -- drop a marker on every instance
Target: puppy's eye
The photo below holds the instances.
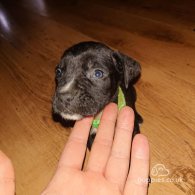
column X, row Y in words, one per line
column 58, row 72
column 98, row 74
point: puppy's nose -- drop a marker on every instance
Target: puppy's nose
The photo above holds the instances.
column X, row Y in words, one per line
column 66, row 97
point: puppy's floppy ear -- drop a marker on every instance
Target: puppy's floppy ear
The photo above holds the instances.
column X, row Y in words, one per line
column 126, row 66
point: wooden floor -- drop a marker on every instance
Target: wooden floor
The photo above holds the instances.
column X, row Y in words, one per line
column 160, row 35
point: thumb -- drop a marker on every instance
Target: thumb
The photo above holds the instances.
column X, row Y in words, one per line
column 7, row 184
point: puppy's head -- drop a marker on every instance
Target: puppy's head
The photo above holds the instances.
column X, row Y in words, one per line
column 87, row 78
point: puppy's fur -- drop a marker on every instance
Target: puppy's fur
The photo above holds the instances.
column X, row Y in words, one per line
column 87, row 79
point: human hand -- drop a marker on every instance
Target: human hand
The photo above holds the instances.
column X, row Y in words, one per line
column 7, row 184
column 107, row 171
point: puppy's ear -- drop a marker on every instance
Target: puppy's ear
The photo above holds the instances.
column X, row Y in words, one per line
column 126, row 66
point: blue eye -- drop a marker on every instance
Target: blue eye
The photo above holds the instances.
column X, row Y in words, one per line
column 98, row 74
column 58, row 72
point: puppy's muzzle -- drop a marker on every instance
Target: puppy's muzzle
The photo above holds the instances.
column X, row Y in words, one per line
column 60, row 106
column 65, row 97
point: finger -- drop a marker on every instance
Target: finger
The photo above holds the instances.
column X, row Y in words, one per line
column 103, row 141
column 118, row 163
column 137, row 181
column 7, row 184
column 74, row 151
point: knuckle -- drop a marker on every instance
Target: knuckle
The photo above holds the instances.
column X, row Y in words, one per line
column 120, row 155
column 103, row 141
column 108, row 120
column 124, row 128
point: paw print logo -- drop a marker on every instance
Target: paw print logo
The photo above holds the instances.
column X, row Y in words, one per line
column 159, row 170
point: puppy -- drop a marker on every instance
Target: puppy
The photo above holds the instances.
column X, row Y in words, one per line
column 88, row 77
